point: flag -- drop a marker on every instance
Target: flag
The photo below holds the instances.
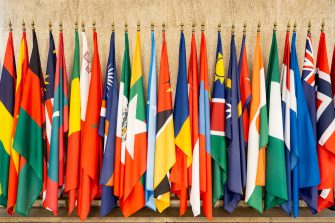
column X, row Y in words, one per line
column 28, row 140
column 275, row 189
column 332, row 74
column 204, row 133
column 289, row 111
column 325, row 127
column 14, row 155
column 193, row 100
column 73, row 147
column 121, row 126
column 151, row 127
column 7, row 103
column 85, row 80
column 49, row 83
column 236, row 160
column 308, row 84
column 165, row 153
column 180, row 173
column 91, row 153
column 258, row 134
column 218, row 140
column 245, row 89
column 136, row 144
column 107, row 129
column 305, row 169
column 59, row 130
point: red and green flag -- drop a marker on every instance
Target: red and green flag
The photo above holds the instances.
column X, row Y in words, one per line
column 28, row 140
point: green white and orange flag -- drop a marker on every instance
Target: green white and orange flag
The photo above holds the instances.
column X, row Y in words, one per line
column 136, row 144
column 28, row 140
column 7, row 96
column 258, row 134
column 165, row 153
column 22, row 70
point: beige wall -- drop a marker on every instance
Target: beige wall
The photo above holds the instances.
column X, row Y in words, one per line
column 172, row 12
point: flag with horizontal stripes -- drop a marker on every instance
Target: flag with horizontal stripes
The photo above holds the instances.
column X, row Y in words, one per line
column 7, row 103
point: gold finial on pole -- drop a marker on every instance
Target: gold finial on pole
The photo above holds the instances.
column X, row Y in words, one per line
column 23, row 26
column 138, row 26
column 152, row 26
column 33, row 25
column 202, row 27
column 182, row 27
column 245, row 27
column 219, row 27
column 323, row 25
column 60, row 26
column 288, row 27
column 233, row 28
column 295, row 26
column 309, row 27
column 275, row 26
column 258, row 27
column 193, row 27
column 163, row 27
column 93, row 24
column 113, row 26
column 126, row 27
column 10, row 26
column 76, row 25
column 50, row 26
column 83, row 26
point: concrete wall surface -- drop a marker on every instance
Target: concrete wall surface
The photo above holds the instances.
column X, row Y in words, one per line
column 172, row 12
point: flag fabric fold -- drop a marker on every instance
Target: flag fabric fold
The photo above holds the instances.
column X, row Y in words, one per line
column 236, row 176
column 59, row 128
column 325, row 127
column 180, row 174
column 165, row 153
column 14, row 155
column 205, row 164
column 276, row 187
column 7, row 104
column 136, row 144
column 91, row 154
column 193, row 101
column 151, row 127
column 258, row 134
column 28, row 140
column 107, row 129
column 73, row 147
column 217, row 125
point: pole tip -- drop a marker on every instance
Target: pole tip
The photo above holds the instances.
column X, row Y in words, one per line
column 288, row 27
column 202, row 27
column 23, row 26
column 60, row 26
column 258, row 27
column 219, row 27
column 33, row 25
column 163, row 27
column 182, row 27
column 245, row 27
column 193, row 27
column 138, row 25
column 309, row 27
column 275, row 26
column 93, row 24
column 233, row 28
column 323, row 25
column 126, row 27
column 10, row 26
column 113, row 26
column 295, row 26
column 76, row 25
column 83, row 26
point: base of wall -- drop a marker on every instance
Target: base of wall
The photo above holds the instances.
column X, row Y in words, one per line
column 241, row 214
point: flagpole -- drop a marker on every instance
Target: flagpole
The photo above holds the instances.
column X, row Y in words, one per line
column 83, row 26
column 138, row 26
column 163, row 27
column 182, row 27
column 60, row 26
column 295, row 26
column 50, row 26
column 126, row 27
column 309, row 27
column 259, row 27
column 93, row 24
column 10, row 26
column 232, row 28
column 113, row 26
column 193, row 27
column 23, row 26
column 33, row 25
column 245, row 28
column 323, row 25
column 152, row 26
column 219, row 27
column 76, row 25
column 288, row 27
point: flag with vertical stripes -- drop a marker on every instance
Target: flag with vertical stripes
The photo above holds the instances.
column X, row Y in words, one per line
column 180, row 173
column 218, row 140
column 59, row 128
column 29, row 141
column 205, row 163
column 121, row 126
column 107, row 129
column 91, row 154
column 332, row 74
column 310, row 194
column 325, row 127
column 136, row 144
column 7, row 103
column 236, row 160
column 73, row 147
column 165, row 153
column 14, row 155
column 151, row 127
column 193, row 100
column 258, row 134
column 276, row 187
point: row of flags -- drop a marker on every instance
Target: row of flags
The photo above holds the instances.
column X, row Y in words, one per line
column 272, row 135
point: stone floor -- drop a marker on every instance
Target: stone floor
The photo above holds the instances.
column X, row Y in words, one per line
column 241, row 214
